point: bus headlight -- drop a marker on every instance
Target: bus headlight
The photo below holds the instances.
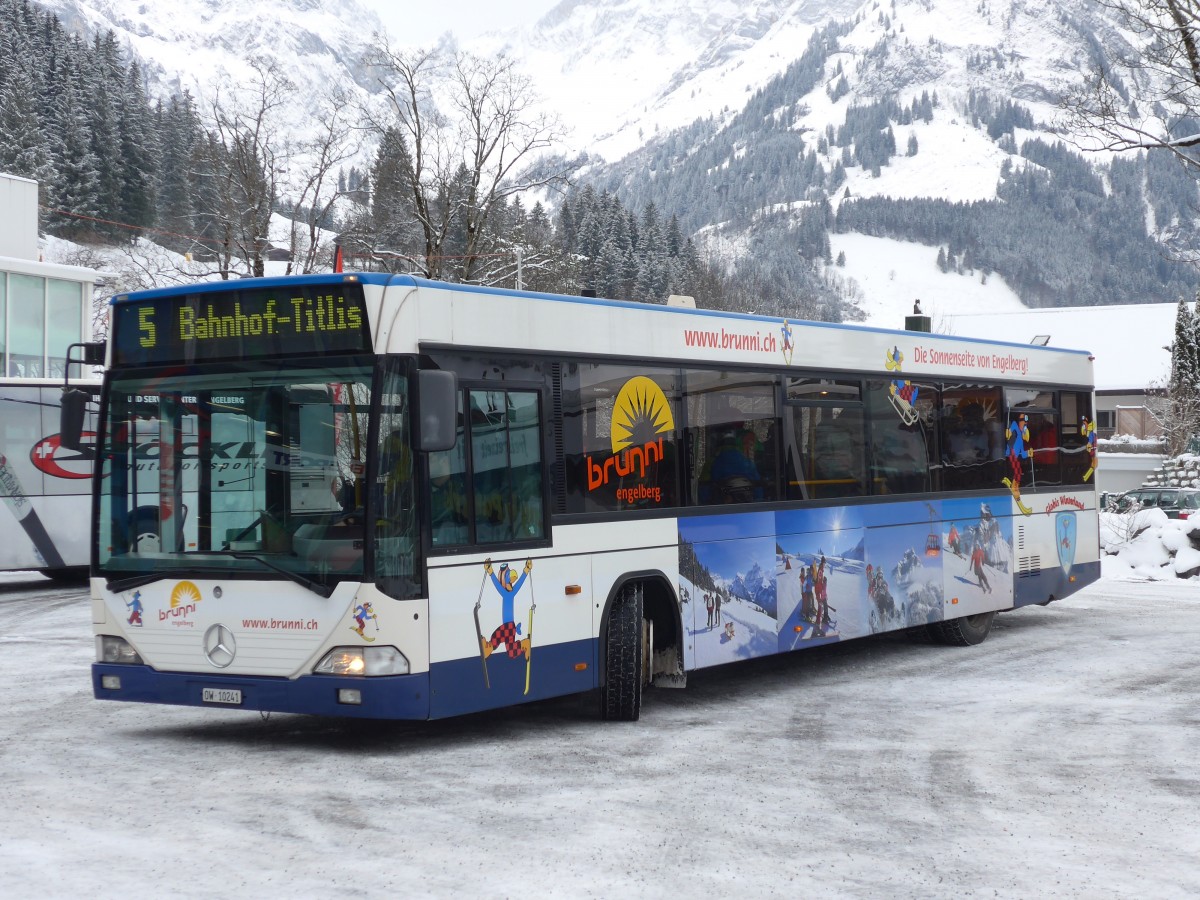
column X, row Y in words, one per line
column 111, row 649
column 368, row 661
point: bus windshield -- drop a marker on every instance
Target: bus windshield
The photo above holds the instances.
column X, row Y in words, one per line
column 246, row 471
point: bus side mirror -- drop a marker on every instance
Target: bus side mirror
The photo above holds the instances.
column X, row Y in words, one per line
column 438, row 391
column 71, row 415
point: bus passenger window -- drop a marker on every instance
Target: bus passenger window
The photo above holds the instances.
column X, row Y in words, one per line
column 731, row 437
column 1044, row 449
column 838, row 455
column 903, row 451
column 1078, row 437
column 734, row 477
column 506, row 466
column 972, row 437
column 447, row 493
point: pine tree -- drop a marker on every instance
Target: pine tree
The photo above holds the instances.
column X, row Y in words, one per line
column 74, row 192
column 1184, row 385
column 137, row 167
column 24, row 150
column 102, row 78
column 177, row 132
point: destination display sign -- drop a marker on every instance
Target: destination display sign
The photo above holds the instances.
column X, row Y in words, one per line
column 288, row 320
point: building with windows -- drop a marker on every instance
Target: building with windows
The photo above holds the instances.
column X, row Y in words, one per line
column 44, row 307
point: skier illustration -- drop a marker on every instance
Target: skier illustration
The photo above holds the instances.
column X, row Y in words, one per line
column 508, row 585
column 977, row 565
column 788, row 346
column 1017, row 435
column 953, row 539
column 1089, row 433
column 135, row 616
column 709, row 605
column 362, row 613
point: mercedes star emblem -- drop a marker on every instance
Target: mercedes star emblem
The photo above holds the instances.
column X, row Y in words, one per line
column 219, row 646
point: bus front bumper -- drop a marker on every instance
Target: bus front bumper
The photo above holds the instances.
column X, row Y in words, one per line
column 385, row 697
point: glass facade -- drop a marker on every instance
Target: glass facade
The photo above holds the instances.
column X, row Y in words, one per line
column 39, row 319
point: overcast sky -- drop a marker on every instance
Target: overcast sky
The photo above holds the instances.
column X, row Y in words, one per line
column 409, row 22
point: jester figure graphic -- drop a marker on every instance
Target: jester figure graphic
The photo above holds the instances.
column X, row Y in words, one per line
column 362, row 613
column 1017, row 435
column 1088, row 430
column 903, row 395
column 508, row 585
column 135, row 607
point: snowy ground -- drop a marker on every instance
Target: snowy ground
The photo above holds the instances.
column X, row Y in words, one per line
column 1058, row 759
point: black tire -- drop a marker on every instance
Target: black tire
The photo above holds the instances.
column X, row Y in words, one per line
column 966, row 631
column 621, row 695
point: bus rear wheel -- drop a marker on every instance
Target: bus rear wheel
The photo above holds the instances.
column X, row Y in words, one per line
column 621, row 695
column 966, row 631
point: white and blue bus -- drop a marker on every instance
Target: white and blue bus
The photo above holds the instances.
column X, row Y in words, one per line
column 380, row 496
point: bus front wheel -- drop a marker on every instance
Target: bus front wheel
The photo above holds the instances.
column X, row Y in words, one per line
column 965, row 631
column 621, row 695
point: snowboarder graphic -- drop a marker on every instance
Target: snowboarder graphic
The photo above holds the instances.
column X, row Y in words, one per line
column 1089, row 434
column 508, row 585
column 362, row 613
column 1017, row 435
column 135, row 606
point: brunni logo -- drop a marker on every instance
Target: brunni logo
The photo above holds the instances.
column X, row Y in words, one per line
column 184, row 597
column 641, row 416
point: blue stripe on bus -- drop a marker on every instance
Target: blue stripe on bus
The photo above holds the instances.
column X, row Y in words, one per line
column 458, row 685
column 1039, row 586
column 389, row 697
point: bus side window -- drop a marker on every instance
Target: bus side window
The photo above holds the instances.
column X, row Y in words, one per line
column 838, row 454
column 903, row 445
column 506, row 466
column 448, row 492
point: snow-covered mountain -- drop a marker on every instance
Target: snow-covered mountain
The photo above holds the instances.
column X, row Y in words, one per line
column 757, row 586
column 678, row 102
column 622, row 71
column 203, row 45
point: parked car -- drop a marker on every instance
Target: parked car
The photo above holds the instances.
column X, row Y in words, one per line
column 1177, row 503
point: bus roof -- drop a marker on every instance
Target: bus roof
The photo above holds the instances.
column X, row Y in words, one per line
column 385, row 279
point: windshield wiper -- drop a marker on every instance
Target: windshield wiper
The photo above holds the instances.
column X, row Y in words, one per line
column 116, row 585
column 133, row 581
column 123, row 584
column 315, row 586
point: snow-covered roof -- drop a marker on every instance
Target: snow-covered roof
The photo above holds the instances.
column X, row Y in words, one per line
column 1128, row 341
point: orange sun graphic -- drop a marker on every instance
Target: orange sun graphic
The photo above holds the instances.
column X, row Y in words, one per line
column 640, row 414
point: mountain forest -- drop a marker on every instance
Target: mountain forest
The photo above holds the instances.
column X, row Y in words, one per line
column 117, row 165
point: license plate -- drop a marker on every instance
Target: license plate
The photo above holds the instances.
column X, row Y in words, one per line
column 229, row 696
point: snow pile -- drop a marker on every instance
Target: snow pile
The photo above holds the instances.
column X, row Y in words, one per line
column 1147, row 546
column 1128, row 443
